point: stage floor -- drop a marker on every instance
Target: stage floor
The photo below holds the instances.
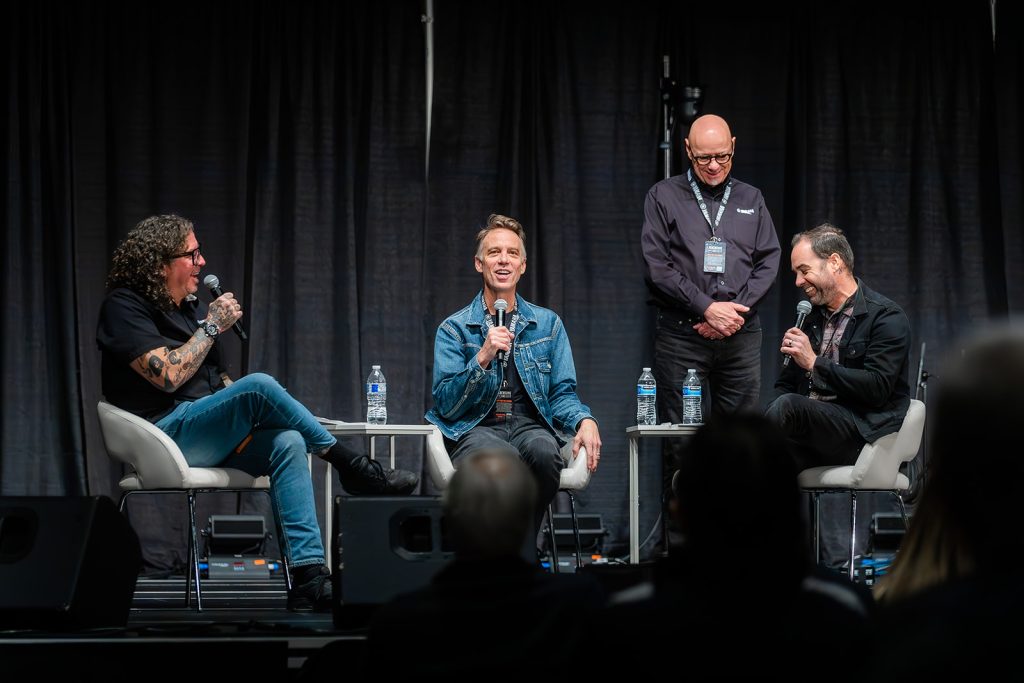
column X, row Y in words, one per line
column 244, row 628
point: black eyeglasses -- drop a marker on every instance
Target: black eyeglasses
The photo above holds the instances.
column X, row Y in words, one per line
column 705, row 159
column 195, row 254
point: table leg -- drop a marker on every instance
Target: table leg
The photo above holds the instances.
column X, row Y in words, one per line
column 328, row 514
column 634, row 502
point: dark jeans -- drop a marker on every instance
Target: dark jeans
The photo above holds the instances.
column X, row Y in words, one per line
column 820, row 432
column 730, row 372
column 729, row 368
column 526, row 438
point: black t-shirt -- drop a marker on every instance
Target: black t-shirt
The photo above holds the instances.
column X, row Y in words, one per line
column 522, row 404
column 130, row 326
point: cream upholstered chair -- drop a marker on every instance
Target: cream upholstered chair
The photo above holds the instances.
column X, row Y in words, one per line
column 877, row 470
column 158, row 466
column 574, row 477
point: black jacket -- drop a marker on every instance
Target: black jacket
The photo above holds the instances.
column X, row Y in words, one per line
column 871, row 378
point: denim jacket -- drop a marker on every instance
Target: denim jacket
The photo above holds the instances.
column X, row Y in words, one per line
column 464, row 393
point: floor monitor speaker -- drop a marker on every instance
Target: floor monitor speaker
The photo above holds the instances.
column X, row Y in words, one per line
column 65, row 563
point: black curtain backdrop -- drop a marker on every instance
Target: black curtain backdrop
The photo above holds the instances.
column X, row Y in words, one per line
column 294, row 138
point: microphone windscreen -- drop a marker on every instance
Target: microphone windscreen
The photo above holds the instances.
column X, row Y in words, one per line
column 803, row 307
column 211, row 281
column 500, row 305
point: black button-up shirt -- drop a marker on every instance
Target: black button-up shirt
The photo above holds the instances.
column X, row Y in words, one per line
column 129, row 326
column 673, row 238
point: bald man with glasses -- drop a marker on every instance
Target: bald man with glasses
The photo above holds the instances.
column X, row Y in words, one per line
column 710, row 256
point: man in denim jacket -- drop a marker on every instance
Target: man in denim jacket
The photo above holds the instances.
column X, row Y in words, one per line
column 509, row 387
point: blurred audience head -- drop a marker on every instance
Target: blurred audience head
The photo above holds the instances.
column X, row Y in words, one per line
column 969, row 516
column 489, row 505
column 737, row 500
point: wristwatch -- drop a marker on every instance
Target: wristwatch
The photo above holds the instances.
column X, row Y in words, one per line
column 210, row 329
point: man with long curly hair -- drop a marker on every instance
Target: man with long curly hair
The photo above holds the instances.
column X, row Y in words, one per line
column 161, row 362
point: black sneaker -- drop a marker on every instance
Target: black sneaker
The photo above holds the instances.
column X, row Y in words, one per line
column 311, row 589
column 362, row 476
column 368, row 477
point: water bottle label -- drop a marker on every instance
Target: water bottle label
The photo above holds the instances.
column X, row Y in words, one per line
column 691, row 391
column 646, row 391
column 373, row 388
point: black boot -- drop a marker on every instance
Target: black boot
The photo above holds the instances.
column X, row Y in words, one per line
column 311, row 589
column 362, row 476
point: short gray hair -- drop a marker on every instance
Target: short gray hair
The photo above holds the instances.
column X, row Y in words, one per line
column 489, row 504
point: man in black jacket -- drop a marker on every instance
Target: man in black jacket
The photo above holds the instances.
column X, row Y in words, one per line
column 846, row 384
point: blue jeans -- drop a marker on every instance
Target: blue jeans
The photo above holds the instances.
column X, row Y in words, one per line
column 283, row 432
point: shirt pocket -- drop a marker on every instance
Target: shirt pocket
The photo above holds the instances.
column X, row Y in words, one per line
column 854, row 355
column 543, row 366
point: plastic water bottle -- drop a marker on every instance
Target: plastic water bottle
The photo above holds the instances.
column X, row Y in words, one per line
column 376, row 397
column 691, row 399
column 646, row 399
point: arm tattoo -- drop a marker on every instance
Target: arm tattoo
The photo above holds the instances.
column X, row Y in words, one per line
column 192, row 357
column 169, row 368
column 156, row 366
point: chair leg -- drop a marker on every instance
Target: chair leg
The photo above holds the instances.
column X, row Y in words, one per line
column 280, row 544
column 575, row 529
column 817, row 529
column 903, row 511
column 193, row 549
column 853, row 528
column 551, row 540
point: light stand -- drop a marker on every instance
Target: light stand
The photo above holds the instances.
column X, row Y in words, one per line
column 667, row 116
column 692, row 100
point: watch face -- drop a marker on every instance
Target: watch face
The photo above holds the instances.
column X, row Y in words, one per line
column 211, row 330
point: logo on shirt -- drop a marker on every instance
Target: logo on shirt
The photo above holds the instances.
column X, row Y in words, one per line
column 749, row 212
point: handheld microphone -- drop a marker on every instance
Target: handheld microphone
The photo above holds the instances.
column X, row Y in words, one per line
column 212, row 282
column 500, row 306
column 802, row 309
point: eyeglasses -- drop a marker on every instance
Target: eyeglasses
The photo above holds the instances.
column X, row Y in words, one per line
column 195, row 254
column 705, row 159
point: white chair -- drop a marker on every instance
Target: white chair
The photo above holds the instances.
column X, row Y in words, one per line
column 877, row 470
column 574, row 477
column 158, row 466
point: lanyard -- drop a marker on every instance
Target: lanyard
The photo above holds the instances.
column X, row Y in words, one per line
column 488, row 323
column 704, row 207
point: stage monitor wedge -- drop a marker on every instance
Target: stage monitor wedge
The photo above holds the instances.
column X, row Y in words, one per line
column 386, row 546
column 65, row 564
